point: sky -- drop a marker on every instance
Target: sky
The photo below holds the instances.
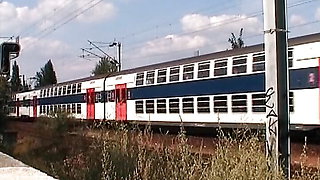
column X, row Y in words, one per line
column 150, row 31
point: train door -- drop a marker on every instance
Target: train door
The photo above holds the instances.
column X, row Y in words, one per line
column 18, row 107
column 34, row 106
column 90, row 103
column 121, row 102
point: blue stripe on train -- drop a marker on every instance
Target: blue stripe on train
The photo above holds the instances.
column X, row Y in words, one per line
column 299, row 79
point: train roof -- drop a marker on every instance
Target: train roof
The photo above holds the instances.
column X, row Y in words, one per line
column 216, row 55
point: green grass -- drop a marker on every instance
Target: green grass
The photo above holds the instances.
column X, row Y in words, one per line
column 123, row 153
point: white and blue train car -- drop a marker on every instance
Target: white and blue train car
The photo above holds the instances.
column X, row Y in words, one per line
column 224, row 89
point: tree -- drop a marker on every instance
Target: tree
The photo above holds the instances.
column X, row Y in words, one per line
column 104, row 66
column 4, row 97
column 236, row 42
column 46, row 75
column 15, row 79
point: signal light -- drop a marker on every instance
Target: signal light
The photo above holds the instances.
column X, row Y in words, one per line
column 8, row 51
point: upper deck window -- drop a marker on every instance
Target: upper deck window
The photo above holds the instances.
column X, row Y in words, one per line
column 239, row 65
column 74, row 88
column 174, row 74
column 64, row 90
column 150, row 77
column 41, row 92
column 220, row 67
column 79, row 88
column 60, row 91
column 51, row 92
column 162, row 76
column 55, row 91
column 203, row 69
column 139, row 79
column 258, row 62
column 69, row 89
column 188, row 71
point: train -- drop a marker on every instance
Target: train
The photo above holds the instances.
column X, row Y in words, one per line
column 221, row 89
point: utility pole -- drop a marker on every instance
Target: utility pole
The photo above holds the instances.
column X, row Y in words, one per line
column 118, row 44
column 277, row 86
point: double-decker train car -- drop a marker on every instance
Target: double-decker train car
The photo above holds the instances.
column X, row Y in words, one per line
column 225, row 89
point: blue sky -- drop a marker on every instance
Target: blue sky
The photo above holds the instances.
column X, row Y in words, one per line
column 151, row 31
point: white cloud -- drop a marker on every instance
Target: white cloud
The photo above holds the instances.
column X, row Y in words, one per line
column 318, row 14
column 297, row 20
column 47, row 13
column 200, row 32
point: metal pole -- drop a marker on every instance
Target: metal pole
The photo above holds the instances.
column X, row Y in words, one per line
column 277, row 102
column 119, row 54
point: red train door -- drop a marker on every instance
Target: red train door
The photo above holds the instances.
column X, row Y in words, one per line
column 90, row 103
column 34, row 106
column 121, row 102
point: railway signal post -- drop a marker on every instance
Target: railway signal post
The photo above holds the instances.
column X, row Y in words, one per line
column 8, row 51
column 277, row 103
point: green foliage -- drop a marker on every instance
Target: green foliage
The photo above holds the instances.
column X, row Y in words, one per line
column 236, row 42
column 104, row 66
column 4, row 97
column 15, row 79
column 46, row 75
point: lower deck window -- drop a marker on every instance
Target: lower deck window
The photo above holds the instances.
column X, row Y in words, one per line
column 258, row 102
column 220, row 104
column 149, row 106
column 174, row 106
column 139, row 107
column 161, row 106
column 239, row 103
column 187, row 105
column 291, row 102
column 203, row 104
column 78, row 108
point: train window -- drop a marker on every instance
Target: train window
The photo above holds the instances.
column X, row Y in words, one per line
column 203, row 104
column 41, row 110
column 69, row 89
column 139, row 79
column 174, row 74
column 56, row 91
column 44, row 93
column 162, row 76
column 51, row 92
column 290, row 57
column 220, row 104
column 41, row 93
column 187, row 105
column 258, row 62
column 149, row 106
column 239, row 64
column 188, row 71
column 239, row 103
column 74, row 88
column 48, row 92
column 55, row 108
column 79, row 88
column 220, row 67
column 59, row 108
column 174, row 106
column 60, row 91
column 203, row 69
column 258, row 102
column 150, row 77
column 139, row 107
column 78, row 108
column 51, row 109
column 161, row 106
column 73, row 108
column 291, row 102
column 64, row 90
column 63, row 108
column 68, row 108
